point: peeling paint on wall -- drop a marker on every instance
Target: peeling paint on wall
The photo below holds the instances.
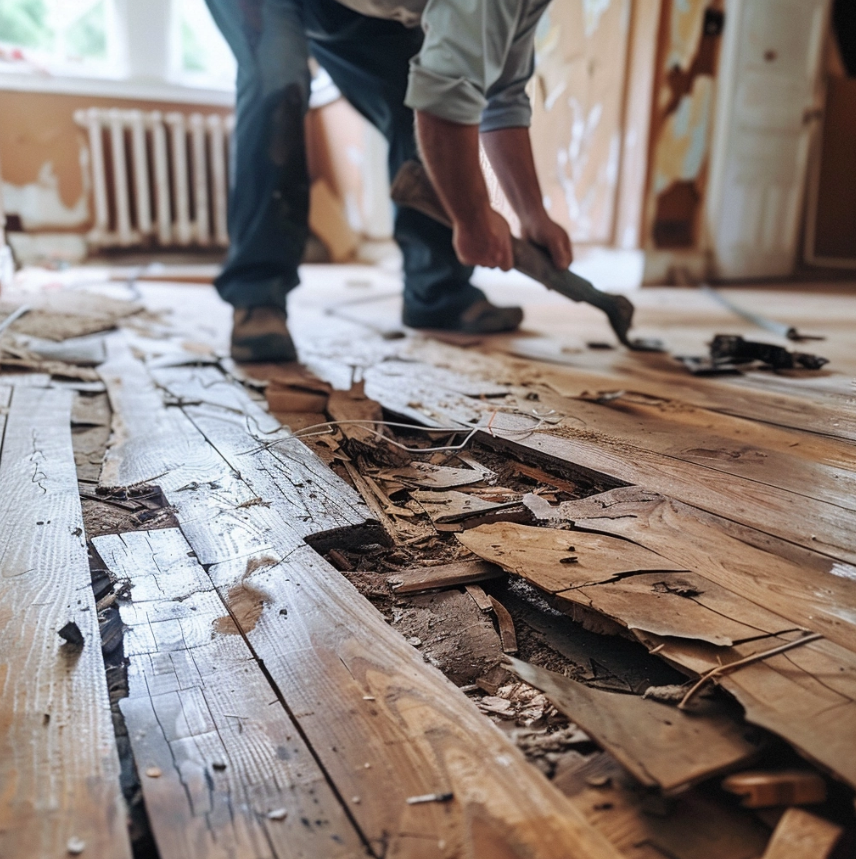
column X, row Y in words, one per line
column 683, row 121
column 581, row 51
column 39, row 204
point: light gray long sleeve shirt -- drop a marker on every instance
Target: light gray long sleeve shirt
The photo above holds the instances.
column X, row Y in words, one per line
column 476, row 60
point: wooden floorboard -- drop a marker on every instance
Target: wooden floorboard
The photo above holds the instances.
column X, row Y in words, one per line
column 821, row 526
column 59, row 769
column 383, row 725
column 224, row 770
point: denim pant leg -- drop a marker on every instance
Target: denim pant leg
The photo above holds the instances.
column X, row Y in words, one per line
column 269, row 184
column 368, row 59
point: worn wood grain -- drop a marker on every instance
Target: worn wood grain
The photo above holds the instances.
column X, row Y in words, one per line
column 660, row 745
column 561, row 560
column 235, row 778
column 420, row 579
column 803, row 835
column 360, row 694
column 723, row 554
column 812, row 707
column 822, row 526
column 697, row 825
column 59, row 770
column 651, row 375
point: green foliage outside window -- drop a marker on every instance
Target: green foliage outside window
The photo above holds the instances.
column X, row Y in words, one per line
column 25, row 23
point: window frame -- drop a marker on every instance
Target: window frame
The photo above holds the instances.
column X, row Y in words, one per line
column 139, row 71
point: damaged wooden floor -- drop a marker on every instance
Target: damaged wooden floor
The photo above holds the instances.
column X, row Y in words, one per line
column 351, row 645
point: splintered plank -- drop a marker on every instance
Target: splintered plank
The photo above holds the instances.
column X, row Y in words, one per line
column 723, row 553
column 802, row 835
column 661, row 745
column 59, row 771
column 224, row 770
column 561, row 560
column 822, row 526
column 419, row 579
column 807, row 695
column 698, row 824
column 285, row 472
column 384, row 726
column 388, row 727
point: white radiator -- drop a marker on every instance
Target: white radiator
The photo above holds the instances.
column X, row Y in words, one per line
column 158, row 178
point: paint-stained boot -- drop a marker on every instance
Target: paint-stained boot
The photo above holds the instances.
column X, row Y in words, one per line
column 261, row 334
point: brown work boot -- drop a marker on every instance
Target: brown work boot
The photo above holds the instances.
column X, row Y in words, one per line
column 482, row 317
column 261, row 334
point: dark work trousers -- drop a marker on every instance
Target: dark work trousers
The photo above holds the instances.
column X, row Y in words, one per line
column 368, row 59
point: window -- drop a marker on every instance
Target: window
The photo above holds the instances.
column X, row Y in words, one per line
column 204, row 57
column 162, row 49
column 65, row 35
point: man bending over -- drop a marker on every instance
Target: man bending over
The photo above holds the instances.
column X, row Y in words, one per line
column 463, row 73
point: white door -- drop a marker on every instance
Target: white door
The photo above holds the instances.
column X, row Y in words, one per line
column 766, row 114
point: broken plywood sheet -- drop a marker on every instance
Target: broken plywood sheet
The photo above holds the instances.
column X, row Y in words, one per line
column 660, row 745
column 58, row 759
column 233, row 776
column 560, row 560
column 723, row 552
column 440, row 505
column 432, row 476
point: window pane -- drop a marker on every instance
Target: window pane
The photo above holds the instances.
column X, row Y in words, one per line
column 25, row 23
column 86, row 38
column 204, row 52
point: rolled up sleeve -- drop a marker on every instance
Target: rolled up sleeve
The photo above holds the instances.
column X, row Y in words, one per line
column 467, row 44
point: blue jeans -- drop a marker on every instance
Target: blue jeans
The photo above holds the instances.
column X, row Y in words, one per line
column 368, row 60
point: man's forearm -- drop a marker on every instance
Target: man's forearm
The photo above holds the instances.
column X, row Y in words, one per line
column 450, row 151
column 451, row 155
column 510, row 153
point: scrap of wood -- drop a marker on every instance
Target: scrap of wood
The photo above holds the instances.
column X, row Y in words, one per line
column 480, row 598
column 70, row 313
column 801, row 835
column 768, row 788
column 449, row 503
column 697, row 826
column 432, row 476
column 419, row 579
column 354, row 405
column 660, row 745
column 542, row 476
column 295, row 389
column 507, row 635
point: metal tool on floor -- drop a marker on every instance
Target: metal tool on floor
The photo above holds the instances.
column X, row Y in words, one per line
column 413, row 188
column 779, row 328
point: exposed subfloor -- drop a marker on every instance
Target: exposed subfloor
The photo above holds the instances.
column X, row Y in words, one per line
column 441, row 599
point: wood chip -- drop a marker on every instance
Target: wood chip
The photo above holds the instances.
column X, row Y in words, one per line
column 507, row 635
column 800, row 835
